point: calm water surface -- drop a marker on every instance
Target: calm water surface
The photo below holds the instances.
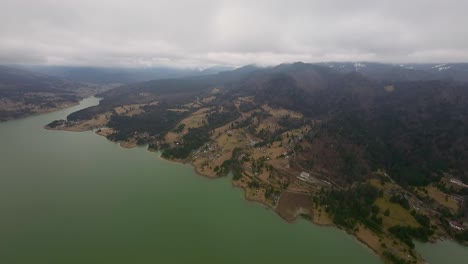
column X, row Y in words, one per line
column 69, row 197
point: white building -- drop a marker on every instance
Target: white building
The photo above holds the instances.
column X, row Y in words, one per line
column 456, row 225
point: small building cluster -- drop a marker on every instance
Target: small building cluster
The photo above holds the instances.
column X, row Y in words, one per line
column 459, row 183
column 210, row 151
column 456, row 225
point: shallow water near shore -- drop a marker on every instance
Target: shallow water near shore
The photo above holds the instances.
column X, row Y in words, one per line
column 74, row 197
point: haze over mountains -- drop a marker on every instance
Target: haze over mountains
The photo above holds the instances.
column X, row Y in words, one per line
column 27, row 89
column 358, row 103
column 16, row 82
column 103, row 75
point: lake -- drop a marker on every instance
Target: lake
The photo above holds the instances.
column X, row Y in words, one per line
column 74, row 197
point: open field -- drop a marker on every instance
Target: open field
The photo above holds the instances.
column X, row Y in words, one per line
column 442, row 198
column 398, row 215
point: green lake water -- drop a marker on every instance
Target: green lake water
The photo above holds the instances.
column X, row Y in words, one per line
column 74, row 197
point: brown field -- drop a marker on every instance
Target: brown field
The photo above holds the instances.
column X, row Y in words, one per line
column 292, row 204
column 320, row 217
column 202, row 166
column 105, row 132
column 172, row 137
column 252, row 194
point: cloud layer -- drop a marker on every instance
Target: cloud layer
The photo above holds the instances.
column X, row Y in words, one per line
column 210, row 32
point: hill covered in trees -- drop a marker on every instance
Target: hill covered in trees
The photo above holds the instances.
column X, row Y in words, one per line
column 379, row 150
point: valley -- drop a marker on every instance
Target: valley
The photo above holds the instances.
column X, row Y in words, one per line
column 23, row 93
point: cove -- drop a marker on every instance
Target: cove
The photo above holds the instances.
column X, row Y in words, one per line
column 74, row 197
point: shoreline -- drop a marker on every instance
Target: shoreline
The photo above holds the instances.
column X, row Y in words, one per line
column 41, row 112
column 268, row 206
column 313, row 220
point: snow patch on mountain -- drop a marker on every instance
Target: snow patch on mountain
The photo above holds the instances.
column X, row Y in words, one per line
column 441, row 67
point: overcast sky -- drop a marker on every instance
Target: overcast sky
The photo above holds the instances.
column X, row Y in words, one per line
column 218, row 32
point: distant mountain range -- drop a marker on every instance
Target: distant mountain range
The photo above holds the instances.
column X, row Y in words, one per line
column 404, row 72
column 26, row 90
column 102, row 75
column 385, row 112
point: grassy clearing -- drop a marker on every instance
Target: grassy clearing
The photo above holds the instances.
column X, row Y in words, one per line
column 195, row 120
column 172, row 137
column 129, row 110
column 280, row 112
column 267, row 125
column 179, row 110
column 230, row 142
column 208, row 99
column 442, row 198
column 398, row 215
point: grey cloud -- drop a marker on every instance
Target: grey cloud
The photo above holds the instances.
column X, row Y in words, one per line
column 207, row 32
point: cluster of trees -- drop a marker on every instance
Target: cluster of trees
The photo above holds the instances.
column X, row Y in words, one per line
column 179, row 128
column 234, row 165
column 407, row 233
column 422, row 219
column 247, row 106
column 270, row 192
column 219, row 118
column 394, row 259
column 401, row 200
column 291, row 123
column 56, row 123
column 352, row 206
column 257, row 165
column 156, row 123
column 194, row 139
column 463, row 236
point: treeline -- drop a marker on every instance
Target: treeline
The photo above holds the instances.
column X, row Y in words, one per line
column 401, row 200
